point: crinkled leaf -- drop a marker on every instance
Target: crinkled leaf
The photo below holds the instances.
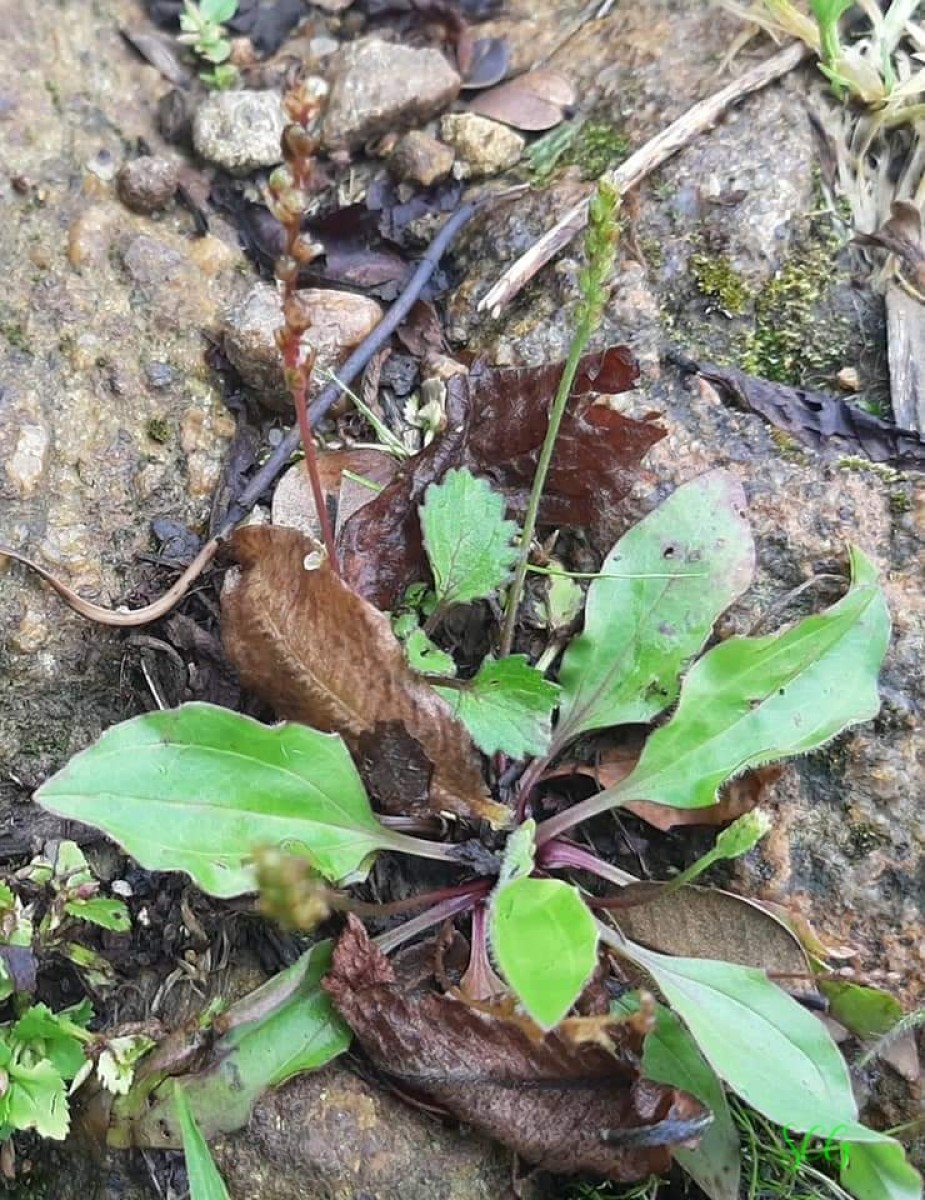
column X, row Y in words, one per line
column 553, row 1098
column 545, row 941
column 671, row 1056
column 879, row 1170
column 425, row 656
column 772, row 1052
column 507, row 706
column 286, row 1026
column 107, row 912
column 36, row 1099
column 468, row 541
column 115, row 1067
column 750, row 700
column 310, row 646
column 46, row 1036
column 678, row 569
column 196, row 788
column 868, row 1012
column 205, row 1182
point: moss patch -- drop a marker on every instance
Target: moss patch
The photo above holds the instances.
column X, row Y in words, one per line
column 593, row 146
column 158, row 430
column 716, row 278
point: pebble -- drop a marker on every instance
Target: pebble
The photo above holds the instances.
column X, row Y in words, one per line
column 483, row 147
column 147, row 184
column 239, row 131
column 420, row 158
column 378, row 86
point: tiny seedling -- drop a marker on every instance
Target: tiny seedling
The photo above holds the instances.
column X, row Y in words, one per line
column 203, row 26
column 239, row 806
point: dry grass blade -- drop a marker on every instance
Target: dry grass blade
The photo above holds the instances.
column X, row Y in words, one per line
column 320, row 654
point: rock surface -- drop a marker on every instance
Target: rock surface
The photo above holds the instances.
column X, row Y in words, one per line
column 420, row 158
column 147, row 184
column 339, row 321
column 377, row 87
column 483, row 147
column 239, row 131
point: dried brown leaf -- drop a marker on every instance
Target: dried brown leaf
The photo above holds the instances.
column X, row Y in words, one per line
column 320, row 654
column 739, row 796
column 532, row 102
column 496, row 422
column 563, row 1100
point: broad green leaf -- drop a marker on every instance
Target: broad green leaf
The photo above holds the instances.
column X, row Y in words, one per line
column 773, row 1053
column 879, row 1170
column 752, row 700
column 205, row 1183
column 107, row 912
column 868, row 1012
column 545, row 941
column 467, row 539
column 679, row 569
column 286, row 1026
column 425, row 655
column 507, row 706
column 196, row 788
column 43, row 1034
column 218, row 11
column 671, row 1056
column 36, row 1099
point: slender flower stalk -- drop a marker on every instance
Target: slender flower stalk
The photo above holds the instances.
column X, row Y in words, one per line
column 601, row 248
column 558, row 854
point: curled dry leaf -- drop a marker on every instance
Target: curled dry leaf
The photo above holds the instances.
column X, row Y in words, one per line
column 565, row 1101
column 531, row 102
column 320, row 654
column 496, row 423
column 738, row 797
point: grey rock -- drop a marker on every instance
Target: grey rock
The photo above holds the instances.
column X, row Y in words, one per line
column 239, row 131
column 147, row 184
column 378, row 86
column 339, row 322
column 420, row 158
column 483, row 147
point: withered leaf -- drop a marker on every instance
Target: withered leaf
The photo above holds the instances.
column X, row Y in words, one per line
column 532, row 102
column 320, row 654
column 813, row 417
column 901, row 235
column 496, row 422
column 563, row 1103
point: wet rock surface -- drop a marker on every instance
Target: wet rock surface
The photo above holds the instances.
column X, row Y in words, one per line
column 239, row 131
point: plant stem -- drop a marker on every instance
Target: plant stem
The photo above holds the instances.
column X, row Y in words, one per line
column 433, row 916
column 566, row 854
column 579, row 342
column 584, row 811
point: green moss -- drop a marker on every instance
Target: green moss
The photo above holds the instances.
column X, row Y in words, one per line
column 900, row 503
column 854, row 462
column 593, row 146
column 864, row 838
column 716, row 278
column 16, row 335
column 158, row 430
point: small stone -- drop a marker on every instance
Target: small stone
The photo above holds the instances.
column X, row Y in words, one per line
column 147, row 184
column 25, row 467
column 420, row 158
column 483, row 147
column 159, row 374
column 849, row 379
column 239, row 130
column 339, row 321
column 378, row 86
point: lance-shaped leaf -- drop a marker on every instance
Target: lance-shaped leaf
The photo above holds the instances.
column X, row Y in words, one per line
column 507, row 706
column 751, row 700
column 545, row 941
column 468, row 541
column 662, row 587
column 288, row 1025
column 205, row 1183
column 772, row 1052
column 319, row 653
column 879, row 1170
column 197, row 788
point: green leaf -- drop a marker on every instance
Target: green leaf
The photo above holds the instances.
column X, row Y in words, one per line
column 752, row 700
column 426, row 656
column 205, row 1183
column 196, row 788
column 867, row 1011
column 286, row 1026
column 682, row 566
column 43, row 1034
column 507, row 706
column 36, row 1099
column 519, row 854
column 108, row 913
column 467, row 539
column 879, row 1170
column 115, row 1067
column 773, row 1053
column 545, row 942
column 671, row 1056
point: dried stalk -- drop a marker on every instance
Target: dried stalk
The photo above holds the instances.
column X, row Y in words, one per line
column 646, row 159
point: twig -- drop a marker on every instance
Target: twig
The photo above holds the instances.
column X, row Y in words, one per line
column 643, row 162
column 278, row 460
